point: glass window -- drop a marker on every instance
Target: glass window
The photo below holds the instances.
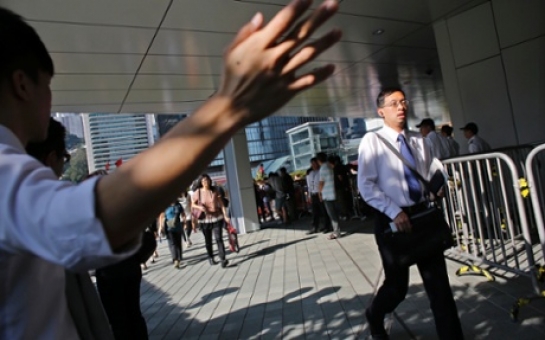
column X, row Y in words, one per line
column 302, row 148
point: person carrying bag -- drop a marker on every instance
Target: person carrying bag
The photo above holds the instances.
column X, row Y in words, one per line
column 430, row 232
column 173, row 228
column 208, row 201
column 409, row 229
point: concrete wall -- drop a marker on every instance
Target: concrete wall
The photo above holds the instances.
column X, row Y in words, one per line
column 493, row 63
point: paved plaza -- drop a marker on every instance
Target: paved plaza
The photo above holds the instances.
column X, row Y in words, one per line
column 285, row 284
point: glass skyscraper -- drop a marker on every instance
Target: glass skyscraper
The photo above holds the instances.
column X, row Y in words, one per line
column 113, row 139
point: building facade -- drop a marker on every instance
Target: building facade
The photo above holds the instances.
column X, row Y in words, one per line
column 72, row 122
column 267, row 139
column 112, row 140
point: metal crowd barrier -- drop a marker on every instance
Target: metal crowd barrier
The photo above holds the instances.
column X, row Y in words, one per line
column 535, row 175
column 489, row 218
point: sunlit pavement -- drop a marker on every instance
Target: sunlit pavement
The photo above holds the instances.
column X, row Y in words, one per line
column 285, row 284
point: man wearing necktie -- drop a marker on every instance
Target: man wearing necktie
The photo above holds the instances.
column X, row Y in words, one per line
column 390, row 187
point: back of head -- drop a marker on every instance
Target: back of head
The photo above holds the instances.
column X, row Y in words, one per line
column 21, row 48
column 321, row 157
column 54, row 142
column 447, row 130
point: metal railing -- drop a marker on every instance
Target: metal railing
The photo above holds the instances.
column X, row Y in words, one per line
column 489, row 216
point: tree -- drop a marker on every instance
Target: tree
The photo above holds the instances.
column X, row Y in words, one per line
column 73, row 142
column 77, row 169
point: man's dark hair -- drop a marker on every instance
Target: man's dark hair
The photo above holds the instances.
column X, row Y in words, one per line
column 21, row 48
column 331, row 159
column 385, row 92
column 54, row 142
column 447, row 129
column 314, row 159
column 283, row 170
column 322, row 157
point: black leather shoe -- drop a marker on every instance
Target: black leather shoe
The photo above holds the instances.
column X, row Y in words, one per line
column 211, row 261
column 224, row 263
column 376, row 326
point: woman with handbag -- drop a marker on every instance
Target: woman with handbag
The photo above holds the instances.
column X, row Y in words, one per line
column 208, row 208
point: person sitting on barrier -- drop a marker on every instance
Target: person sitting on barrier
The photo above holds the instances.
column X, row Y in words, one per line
column 475, row 143
column 108, row 213
column 387, row 185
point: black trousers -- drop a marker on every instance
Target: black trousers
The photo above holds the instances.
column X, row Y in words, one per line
column 119, row 289
column 175, row 244
column 396, row 283
column 217, row 229
column 318, row 211
column 186, row 233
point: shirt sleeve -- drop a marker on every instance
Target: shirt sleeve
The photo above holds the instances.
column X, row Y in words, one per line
column 473, row 147
column 368, row 172
column 322, row 174
column 51, row 219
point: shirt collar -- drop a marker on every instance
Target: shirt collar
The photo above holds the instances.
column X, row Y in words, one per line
column 9, row 138
column 391, row 134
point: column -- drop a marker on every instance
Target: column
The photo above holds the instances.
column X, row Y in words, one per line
column 240, row 183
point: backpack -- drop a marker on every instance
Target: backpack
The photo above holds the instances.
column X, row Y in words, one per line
column 174, row 223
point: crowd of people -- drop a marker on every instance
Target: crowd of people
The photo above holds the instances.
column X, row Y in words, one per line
column 50, row 226
column 53, row 232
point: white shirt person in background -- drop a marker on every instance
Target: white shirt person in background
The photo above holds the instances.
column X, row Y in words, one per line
column 108, row 214
column 438, row 143
column 387, row 185
column 446, row 131
column 475, row 143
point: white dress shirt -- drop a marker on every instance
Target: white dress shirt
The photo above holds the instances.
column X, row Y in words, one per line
column 453, row 146
column 476, row 144
column 327, row 176
column 47, row 225
column 313, row 181
column 439, row 145
column 381, row 179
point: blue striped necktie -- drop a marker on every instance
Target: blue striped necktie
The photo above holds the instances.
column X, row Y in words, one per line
column 415, row 192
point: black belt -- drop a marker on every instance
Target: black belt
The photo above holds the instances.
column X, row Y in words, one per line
column 414, row 209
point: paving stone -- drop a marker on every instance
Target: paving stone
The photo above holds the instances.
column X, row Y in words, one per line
column 287, row 285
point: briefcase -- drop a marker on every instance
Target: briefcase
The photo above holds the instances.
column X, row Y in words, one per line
column 430, row 236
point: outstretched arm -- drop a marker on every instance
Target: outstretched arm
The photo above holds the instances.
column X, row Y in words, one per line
column 259, row 77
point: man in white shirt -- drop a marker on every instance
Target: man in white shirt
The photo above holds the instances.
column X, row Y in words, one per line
column 475, row 143
column 107, row 214
column 387, row 185
column 446, row 131
column 318, row 208
column 328, row 196
column 439, row 144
